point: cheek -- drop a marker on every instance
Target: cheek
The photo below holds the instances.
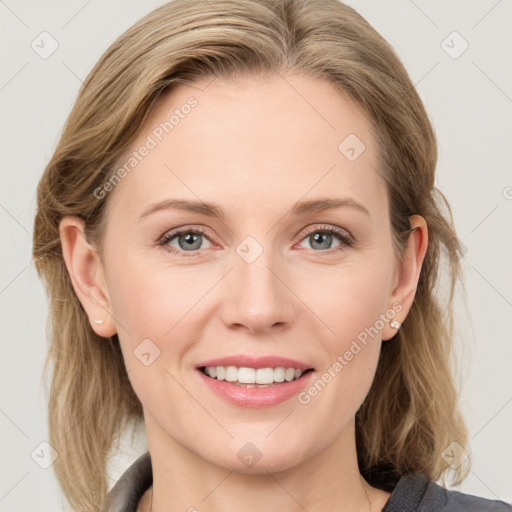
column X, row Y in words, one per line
column 149, row 299
column 351, row 304
column 159, row 310
column 138, row 305
column 156, row 321
column 348, row 300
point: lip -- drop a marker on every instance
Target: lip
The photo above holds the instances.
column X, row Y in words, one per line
column 243, row 396
column 255, row 362
column 255, row 397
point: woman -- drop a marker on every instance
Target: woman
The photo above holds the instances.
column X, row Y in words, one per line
column 241, row 240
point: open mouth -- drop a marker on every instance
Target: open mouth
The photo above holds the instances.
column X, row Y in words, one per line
column 254, row 377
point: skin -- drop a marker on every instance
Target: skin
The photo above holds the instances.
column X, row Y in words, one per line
column 255, row 147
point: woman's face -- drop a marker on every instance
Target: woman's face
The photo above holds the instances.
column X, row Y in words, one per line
column 264, row 278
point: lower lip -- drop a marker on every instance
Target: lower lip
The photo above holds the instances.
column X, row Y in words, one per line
column 256, row 397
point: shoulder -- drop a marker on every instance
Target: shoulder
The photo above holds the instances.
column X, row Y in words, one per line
column 415, row 493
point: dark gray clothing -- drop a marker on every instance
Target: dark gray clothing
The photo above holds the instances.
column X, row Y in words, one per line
column 415, row 493
column 412, row 493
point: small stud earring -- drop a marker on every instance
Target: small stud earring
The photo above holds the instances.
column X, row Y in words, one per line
column 395, row 324
column 98, row 321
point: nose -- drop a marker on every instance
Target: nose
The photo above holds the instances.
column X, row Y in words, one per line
column 257, row 296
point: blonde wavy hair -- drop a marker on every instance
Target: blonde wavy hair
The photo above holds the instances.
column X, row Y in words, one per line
column 411, row 412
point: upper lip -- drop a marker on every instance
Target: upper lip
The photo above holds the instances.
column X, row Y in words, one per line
column 255, row 362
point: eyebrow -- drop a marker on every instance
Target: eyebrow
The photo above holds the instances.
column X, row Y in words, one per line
column 214, row 210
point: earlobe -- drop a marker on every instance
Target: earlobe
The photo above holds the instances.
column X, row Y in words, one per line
column 87, row 275
column 409, row 270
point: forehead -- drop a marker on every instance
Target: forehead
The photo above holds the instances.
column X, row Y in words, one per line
column 253, row 142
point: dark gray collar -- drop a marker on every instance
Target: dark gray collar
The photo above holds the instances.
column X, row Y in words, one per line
column 412, row 493
column 128, row 490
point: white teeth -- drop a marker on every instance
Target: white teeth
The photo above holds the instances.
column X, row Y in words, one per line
column 265, row 375
column 247, row 375
column 251, row 376
column 289, row 374
column 231, row 373
column 279, row 374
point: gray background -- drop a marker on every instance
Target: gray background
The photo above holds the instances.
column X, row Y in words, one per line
column 469, row 99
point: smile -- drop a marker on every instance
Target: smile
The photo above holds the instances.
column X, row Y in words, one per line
column 253, row 377
column 254, row 381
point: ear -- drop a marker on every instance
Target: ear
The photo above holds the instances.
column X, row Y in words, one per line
column 408, row 274
column 87, row 275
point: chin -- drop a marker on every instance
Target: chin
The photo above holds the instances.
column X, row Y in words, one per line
column 263, row 454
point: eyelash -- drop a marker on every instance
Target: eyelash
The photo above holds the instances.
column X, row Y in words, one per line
column 343, row 237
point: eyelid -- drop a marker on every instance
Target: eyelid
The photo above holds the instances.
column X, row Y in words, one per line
column 345, row 238
column 173, row 233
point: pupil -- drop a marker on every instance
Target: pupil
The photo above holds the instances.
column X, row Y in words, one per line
column 190, row 239
column 317, row 238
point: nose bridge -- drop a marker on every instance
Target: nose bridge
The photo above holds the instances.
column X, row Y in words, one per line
column 257, row 295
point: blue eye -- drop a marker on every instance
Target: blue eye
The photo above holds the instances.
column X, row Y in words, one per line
column 188, row 242
column 321, row 238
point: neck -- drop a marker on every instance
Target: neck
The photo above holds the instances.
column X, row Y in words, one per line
column 329, row 480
